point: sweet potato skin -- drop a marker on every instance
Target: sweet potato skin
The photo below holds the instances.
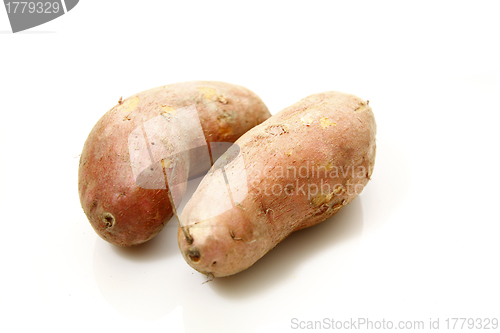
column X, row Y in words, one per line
column 302, row 166
column 120, row 211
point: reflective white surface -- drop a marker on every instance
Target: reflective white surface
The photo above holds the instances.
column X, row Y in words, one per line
column 420, row 243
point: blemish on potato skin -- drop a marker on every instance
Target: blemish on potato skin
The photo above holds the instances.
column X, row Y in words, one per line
column 337, row 206
column 167, row 109
column 129, row 104
column 322, row 209
column 210, row 93
column 226, row 121
column 289, row 189
column 108, row 219
column 222, row 100
column 269, row 212
column 194, row 255
column 239, row 238
column 361, row 106
column 319, row 199
column 325, row 122
column 276, row 129
column 339, row 189
column 232, row 235
column 307, row 120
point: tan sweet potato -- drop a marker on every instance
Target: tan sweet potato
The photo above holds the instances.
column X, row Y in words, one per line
column 293, row 171
column 123, row 174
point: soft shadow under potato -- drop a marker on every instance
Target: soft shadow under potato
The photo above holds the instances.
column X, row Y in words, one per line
column 281, row 262
column 164, row 244
column 161, row 246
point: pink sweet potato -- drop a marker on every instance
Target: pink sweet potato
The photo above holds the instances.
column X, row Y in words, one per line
column 122, row 189
column 294, row 170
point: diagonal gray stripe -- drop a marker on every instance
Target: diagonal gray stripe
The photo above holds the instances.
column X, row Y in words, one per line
column 70, row 4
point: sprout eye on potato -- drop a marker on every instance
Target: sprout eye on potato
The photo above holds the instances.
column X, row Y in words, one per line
column 295, row 170
column 121, row 180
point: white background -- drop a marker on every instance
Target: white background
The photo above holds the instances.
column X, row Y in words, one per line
column 421, row 242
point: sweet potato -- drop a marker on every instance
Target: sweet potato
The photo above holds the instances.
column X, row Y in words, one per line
column 122, row 173
column 293, row 171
